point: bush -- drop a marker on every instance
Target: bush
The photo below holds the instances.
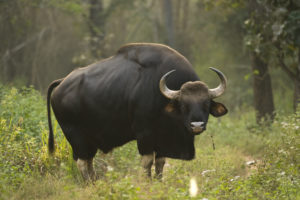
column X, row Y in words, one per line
column 24, row 108
column 23, row 139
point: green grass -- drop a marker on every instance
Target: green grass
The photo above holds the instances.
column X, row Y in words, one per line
column 28, row 172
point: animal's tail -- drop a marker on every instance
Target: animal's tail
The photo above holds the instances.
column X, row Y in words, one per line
column 51, row 137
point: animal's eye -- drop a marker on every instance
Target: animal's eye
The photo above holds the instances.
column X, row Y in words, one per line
column 186, row 107
column 206, row 106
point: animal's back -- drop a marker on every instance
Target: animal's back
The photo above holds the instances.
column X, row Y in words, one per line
column 106, row 97
column 114, row 82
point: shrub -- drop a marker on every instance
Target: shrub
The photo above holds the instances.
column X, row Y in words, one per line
column 24, row 108
column 23, row 139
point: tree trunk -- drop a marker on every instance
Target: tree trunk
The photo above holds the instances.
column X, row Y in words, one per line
column 96, row 26
column 169, row 22
column 297, row 94
column 262, row 89
column 297, row 85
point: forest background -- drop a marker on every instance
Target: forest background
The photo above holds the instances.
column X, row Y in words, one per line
column 248, row 40
column 256, row 43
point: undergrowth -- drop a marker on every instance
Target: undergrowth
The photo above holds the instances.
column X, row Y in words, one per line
column 28, row 172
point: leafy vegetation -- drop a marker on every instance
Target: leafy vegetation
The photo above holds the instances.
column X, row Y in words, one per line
column 28, row 172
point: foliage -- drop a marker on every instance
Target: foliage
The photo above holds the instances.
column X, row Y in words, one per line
column 273, row 22
column 28, row 172
column 23, row 138
column 38, row 38
column 273, row 33
column 17, row 113
column 270, row 29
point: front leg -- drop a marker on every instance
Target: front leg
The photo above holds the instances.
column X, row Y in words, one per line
column 147, row 162
column 159, row 167
column 145, row 143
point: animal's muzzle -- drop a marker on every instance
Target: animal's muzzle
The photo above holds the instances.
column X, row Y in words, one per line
column 198, row 127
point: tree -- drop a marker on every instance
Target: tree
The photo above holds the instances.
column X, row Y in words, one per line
column 37, row 38
column 285, row 21
column 258, row 45
column 167, row 7
column 96, row 24
column 278, row 36
column 262, row 87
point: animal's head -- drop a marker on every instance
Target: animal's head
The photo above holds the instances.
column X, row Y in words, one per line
column 194, row 102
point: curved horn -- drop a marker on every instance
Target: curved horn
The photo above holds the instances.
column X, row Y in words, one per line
column 218, row 91
column 170, row 94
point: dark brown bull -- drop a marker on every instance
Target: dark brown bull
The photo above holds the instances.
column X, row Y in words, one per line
column 133, row 96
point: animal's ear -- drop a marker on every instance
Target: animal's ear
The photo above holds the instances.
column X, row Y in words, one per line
column 217, row 109
column 171, row 108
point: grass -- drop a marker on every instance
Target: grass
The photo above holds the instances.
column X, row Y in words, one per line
column 27, row 171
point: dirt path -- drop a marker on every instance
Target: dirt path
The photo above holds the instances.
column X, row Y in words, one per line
column 251, row 165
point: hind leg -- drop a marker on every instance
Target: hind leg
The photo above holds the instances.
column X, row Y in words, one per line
column 86, row 169
column 83, row 151
column 84, row 162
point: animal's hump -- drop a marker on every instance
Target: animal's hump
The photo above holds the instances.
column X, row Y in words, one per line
column 145, row 46
column 147, row 54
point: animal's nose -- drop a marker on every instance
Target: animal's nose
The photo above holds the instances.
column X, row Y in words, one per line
column 197, row 124
column 198, row 127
